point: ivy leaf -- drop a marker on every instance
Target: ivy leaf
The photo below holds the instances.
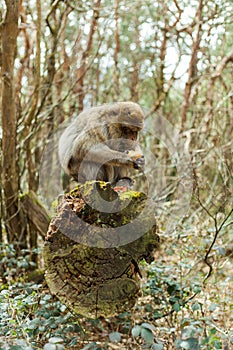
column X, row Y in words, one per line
column 213, row 307
column 196, row 306
column 158, row 346
column 176, row 307
column 157, row 314
column 73, row 342
column 148, row 326
column 147, row 335
column 90, row 346
column 115, row 337
column 55, row 340
column 217, row 344
column 60, row 347
column 190, row 344
column 49, row 346
column 136, row 331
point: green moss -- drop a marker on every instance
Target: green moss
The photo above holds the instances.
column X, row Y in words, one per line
column 131, row 194
column 125, row 220
column 36, row 276
column 103, row 184
column 54, row 204
column 21, row 196
column 32, row 196
column 75, row 191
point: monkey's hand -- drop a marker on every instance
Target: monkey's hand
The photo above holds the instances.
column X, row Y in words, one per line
column 139, row 163
column 138, row 159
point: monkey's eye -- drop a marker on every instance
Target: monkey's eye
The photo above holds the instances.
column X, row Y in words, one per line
column 124, row 130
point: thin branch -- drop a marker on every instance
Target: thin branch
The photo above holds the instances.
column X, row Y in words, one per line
column 217, row 231
column 192, row 70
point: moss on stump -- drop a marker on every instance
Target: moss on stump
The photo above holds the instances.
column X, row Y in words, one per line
column 93, row 247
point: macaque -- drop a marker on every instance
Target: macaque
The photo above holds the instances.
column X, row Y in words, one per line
column 101, row 143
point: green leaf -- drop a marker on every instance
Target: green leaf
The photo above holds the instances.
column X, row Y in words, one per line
column 176, row 307
column 148, row 326
column 213, row 331
column 189, row 332
column 190, row 344
column 217, row 344
column 55, row 340
column 49, row 346
column 90, row 346
column 197, row 289
column 148, row 308
column 115, row 337
column 21, row 344
column 5, row 292
column 158, row 346
column 157, row 314
column 147, row 335
column 213, row 307
column 184, row 344
column 196, row 306
column 136, row 331
column 60, row 347
column 34, row 324
column 73, row 342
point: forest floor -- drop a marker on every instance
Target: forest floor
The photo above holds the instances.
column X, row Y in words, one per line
column 180, row 308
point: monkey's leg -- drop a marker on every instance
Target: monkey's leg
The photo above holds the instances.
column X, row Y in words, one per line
column 88, row 171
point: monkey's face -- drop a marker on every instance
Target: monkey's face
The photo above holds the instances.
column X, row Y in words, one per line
column 130, row 132
column 128, row 138
column 126, row 121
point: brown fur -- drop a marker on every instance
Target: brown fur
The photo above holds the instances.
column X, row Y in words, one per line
column 93, row 135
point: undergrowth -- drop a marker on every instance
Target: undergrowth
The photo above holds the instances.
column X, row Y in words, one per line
column 179, row 308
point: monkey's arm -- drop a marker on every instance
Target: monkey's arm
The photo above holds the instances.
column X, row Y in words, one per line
column 102, row 154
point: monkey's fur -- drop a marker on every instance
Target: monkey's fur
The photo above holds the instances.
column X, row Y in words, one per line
column 94, row 146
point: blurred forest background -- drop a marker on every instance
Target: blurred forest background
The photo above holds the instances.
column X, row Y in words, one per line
column 174, row 58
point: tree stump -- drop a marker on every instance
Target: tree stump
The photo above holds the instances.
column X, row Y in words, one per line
column 94, row 245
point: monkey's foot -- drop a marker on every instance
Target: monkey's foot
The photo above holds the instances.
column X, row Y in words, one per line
column 124, row 184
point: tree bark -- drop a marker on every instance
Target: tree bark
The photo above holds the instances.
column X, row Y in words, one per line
column 9, row 124
column 92, row 256
column 35, row 213
column 192, row 70
column 86, row 53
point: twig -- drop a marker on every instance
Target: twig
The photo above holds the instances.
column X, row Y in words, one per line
column 217, row 230
column 172, row 311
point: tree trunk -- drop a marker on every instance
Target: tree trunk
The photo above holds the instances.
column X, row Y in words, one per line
column 85, row 55
column 35, row 213
column 92, row 255
column 10, row 172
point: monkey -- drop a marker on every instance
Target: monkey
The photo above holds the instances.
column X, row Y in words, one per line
column 98, row 143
